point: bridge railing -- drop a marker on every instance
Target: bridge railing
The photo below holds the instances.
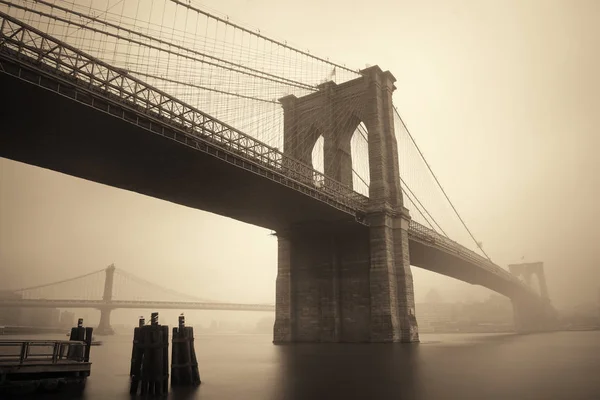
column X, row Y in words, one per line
column 428, row 235
column 28, row 45
column 47, row 351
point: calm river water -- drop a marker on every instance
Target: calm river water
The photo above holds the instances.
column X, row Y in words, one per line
column 550, row 366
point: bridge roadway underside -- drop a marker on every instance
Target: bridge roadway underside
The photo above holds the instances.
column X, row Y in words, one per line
column 446, row 263
column 42, row 128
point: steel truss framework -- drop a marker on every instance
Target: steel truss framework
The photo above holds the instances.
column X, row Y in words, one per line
column 57, row 66
column 431, row 238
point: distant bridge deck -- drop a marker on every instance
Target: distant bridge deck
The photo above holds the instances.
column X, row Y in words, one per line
column 454, row 260
column 134, row 304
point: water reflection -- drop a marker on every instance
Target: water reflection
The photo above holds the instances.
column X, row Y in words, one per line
column 310, row 371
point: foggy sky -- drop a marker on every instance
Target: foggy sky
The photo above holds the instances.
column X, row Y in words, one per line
column 503, row 98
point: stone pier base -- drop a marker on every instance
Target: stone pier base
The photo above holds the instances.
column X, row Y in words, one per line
column 344, row 285
column 104, row 327
column 534, row 316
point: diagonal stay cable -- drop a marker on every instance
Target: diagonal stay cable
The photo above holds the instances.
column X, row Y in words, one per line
column 404, row 185
column 440, row 185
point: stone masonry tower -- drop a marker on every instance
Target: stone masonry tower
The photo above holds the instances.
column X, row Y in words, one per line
column 104, row 327
column 527, row 271
column 530, row 317
column 347, row 282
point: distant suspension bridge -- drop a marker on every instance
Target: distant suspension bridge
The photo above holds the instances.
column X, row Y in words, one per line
column 108, row 289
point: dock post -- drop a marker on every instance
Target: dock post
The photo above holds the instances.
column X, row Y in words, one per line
column 149, row 359
column 165, row 359
column 77, row 334
column 137, row 353
column 195, row 372
column 184, row 366
column 88, row 341
column 175, row 381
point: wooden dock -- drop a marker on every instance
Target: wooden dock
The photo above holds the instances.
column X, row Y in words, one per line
column 29, row 365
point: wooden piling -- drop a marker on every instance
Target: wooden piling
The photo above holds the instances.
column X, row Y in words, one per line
column 88, row 342
column 149, row 362
column 137, row 354
column 165, row 359
column 175, row 380
column 184, row 366
column 77, row 334
column 195, row 372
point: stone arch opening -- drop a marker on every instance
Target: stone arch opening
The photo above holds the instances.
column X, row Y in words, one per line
column 534, row 283
column 318, row 160
column 359, row 154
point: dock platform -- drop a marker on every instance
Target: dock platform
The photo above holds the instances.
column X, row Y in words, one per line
column 29, row 365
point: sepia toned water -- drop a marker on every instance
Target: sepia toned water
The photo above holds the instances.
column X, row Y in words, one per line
column 548, row 366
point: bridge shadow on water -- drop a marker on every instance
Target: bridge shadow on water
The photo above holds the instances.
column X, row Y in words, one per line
column 311, row 371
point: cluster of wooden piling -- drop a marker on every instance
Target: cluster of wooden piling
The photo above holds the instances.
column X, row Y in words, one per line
column 150, row 358
column 184, row 365
column 81, row 334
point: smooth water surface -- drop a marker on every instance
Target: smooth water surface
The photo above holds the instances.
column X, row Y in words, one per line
column 548, row 366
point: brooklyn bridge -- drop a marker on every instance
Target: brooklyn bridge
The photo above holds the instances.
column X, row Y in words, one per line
column 250, row 128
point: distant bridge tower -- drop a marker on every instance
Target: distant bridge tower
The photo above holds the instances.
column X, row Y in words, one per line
column 527, row 271
column 527, row 316
column 104, row 327
column 347, row 282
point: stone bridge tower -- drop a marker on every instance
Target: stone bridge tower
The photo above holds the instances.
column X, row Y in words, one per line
column 104, row 327
column 527, row 271
column 529, row 316
column 347, row 282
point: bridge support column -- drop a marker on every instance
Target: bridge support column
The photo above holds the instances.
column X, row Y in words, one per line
column 533, row 316
column 409, row 331
column 392, row 294
column 345, row 284
column 104, row 327
column 323, row 292
column 282, row 331
column 385, row 324
column 527, row 270
column 346, row 281
column 389, row 219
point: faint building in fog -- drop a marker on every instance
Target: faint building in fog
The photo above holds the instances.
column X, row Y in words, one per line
column 497, row 309
column 492, row 315
column 436, row 317
column 40, row 317
column 67, row 319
